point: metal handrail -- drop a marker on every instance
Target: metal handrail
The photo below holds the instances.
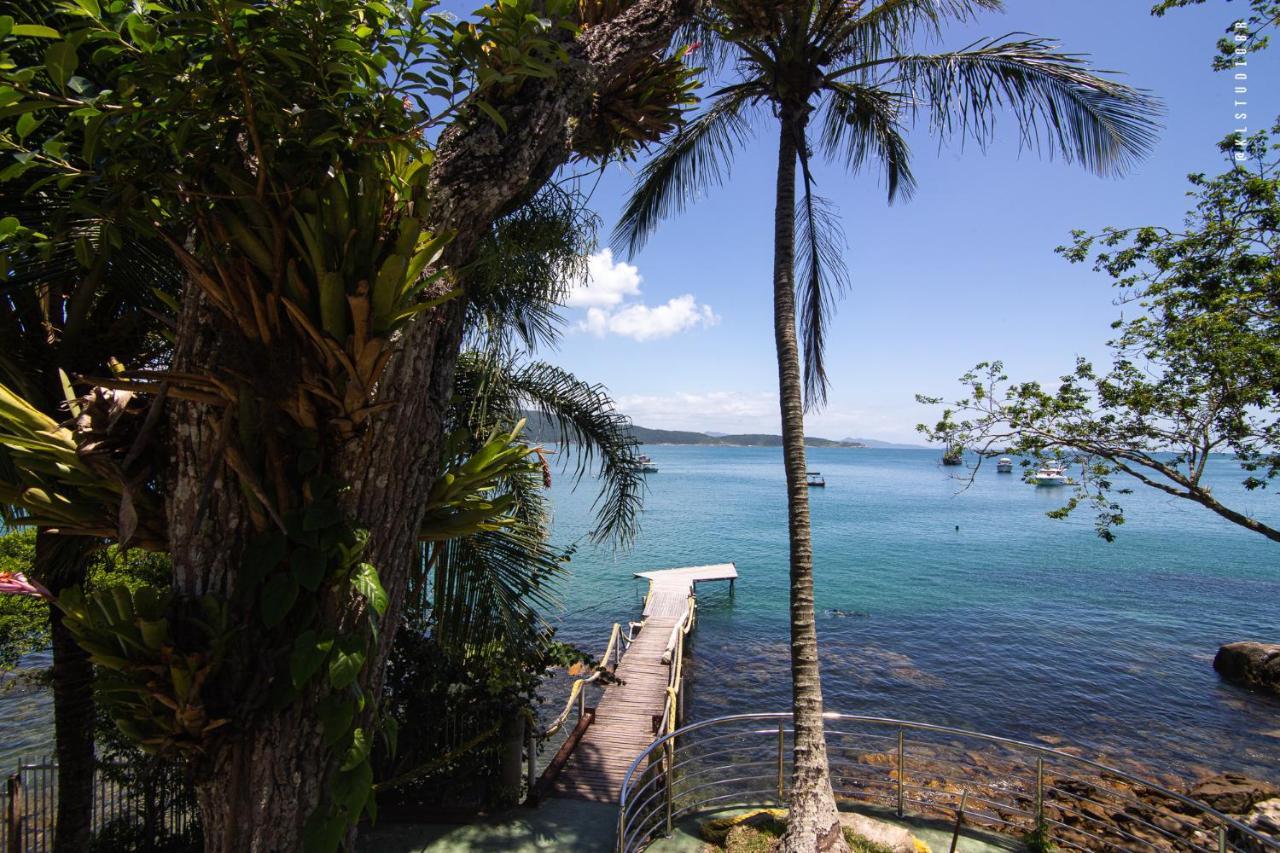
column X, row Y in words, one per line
column 667, row 800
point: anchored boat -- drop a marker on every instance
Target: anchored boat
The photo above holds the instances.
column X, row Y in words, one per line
column 646, row 465
column 815, row 480
column 1004, row 465
column 1050, row 475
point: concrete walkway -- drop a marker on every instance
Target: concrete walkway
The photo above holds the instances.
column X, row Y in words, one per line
column 556, row 825
column 580, row 826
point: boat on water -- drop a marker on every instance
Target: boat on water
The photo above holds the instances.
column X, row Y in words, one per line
column 646, row 465
column 815, row 480
column 1050, row 475
column 1004, row 465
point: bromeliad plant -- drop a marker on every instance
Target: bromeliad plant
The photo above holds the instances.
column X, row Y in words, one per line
column 280, row 151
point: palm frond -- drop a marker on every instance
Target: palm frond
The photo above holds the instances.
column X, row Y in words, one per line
column 698, row 156
column 587, row 423
column 492, row 587
column 1060, row 104
column 862, row 122
column 525, row 268
column 889, row 25
column 823, row 278
column 493, row 389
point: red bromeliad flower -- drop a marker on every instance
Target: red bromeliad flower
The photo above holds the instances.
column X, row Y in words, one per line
column 692, row 48
column 16, row 583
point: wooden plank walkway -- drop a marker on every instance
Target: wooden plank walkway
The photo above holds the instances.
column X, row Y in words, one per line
column 624, row 720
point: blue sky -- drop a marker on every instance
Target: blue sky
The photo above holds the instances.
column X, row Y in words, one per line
column 963, row 272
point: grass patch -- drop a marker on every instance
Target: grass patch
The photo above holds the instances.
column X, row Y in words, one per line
column 761, row 831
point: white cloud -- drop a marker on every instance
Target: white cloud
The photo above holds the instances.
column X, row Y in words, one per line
column 606, row 296
column 607, row 284
column 640, row 322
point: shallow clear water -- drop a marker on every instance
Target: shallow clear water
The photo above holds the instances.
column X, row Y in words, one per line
column 1014, row 624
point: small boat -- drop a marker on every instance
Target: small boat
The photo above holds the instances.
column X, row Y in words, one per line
column 954, row 455
column 815, row 480
column 646, row 465
column 1004, row 465
column 1050, row 475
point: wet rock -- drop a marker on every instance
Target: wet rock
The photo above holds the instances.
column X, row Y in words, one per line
column 1265, row 817
column 1253, row 664
column 1232, row 793
column 887, row 835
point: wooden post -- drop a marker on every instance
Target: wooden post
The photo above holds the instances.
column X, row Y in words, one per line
column 13, row 813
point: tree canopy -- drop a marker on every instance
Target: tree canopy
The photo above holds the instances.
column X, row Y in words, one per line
column 1195, row 369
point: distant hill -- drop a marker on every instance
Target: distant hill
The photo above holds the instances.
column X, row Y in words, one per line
column 539, row 429
column 885, row 445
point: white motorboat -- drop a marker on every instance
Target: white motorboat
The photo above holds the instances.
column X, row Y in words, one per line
column 646, row 465
column 1004, row 465
column 815, row 480
column 1050, row 475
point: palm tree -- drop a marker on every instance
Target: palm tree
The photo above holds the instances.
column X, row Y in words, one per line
column 854, row 65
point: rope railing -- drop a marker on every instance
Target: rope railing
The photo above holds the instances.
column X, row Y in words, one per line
column 577, row 696
column 922, row 770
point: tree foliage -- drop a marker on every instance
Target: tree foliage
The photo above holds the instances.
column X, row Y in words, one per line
column 1247, row 35
column 1194, row 372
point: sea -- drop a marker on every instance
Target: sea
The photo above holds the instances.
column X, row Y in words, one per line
column 949, row 597
column 939, row 600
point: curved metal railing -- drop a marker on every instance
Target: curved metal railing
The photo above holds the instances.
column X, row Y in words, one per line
column 1002, row 785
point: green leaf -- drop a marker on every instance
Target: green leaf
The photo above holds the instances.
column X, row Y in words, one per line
column 336, row 713
column 27, row 124
column 357, row 752
column 324, row 831
column 310, row 651
column 262, row 555
column 308, row 567
column 6, row 25
column 278, row 597
column 346, row 662
column 366, row 582
column 353, row 788
column 321, row 514
column 493, row 114
column 60, row 62
column 36, row 31
column 90, row 6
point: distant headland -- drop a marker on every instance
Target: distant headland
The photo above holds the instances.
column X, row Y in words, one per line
column 539, row 429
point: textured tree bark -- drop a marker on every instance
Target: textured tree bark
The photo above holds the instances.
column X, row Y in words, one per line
column 813, row 822
column 261, row 780
column 60, row 562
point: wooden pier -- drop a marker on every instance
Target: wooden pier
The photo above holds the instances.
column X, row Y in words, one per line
column 632, row 711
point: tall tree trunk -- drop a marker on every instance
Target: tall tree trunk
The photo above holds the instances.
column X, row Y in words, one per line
column 814, row 823
column 264, row 774
column 61, row 562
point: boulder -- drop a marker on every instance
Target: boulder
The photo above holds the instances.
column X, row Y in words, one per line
column 1233, row 794
column 1265, row 817
column 1253, row 664
column 883, row 835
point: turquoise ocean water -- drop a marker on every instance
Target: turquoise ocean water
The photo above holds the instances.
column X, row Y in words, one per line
column 1014, row 624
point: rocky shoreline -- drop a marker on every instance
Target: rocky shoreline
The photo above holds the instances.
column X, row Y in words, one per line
column 1082, row 807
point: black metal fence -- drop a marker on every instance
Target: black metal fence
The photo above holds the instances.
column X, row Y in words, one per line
column 134, row 809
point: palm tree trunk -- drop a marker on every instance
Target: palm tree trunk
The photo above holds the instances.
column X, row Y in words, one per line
column 814, row 823
column 60, row 562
